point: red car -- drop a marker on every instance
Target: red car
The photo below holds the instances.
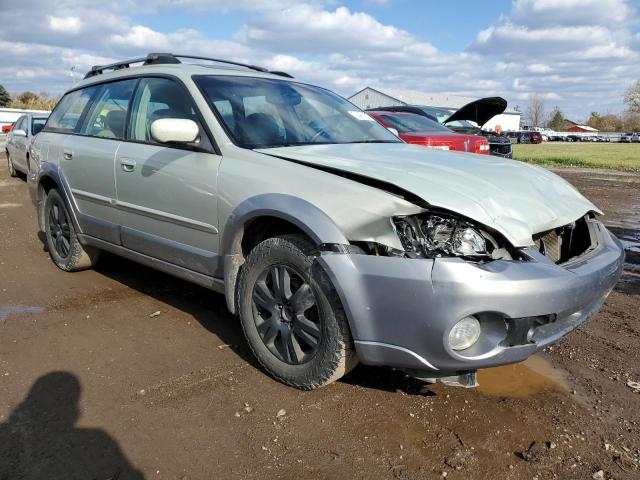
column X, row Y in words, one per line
column 420, row 130
column 7, row 128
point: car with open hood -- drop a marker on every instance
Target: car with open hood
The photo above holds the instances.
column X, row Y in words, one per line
column 479, row 112
column 332, row 240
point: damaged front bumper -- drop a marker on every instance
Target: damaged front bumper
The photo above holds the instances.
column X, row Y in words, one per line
column 401, row 310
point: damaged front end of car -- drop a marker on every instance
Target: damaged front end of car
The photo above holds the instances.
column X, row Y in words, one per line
column 459, row 297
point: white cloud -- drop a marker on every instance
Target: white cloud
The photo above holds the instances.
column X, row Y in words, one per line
column 311, row 29
column 570, row 12
column 65, row 24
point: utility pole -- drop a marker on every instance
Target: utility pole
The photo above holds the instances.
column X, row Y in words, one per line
column 72, row 74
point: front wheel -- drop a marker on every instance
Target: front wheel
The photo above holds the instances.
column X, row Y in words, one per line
column 292, row 316
column 62, row 242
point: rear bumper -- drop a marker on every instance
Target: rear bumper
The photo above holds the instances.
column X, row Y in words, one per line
column 401, row 310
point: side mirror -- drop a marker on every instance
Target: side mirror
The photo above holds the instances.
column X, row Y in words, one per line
column 174, row 130
column 394, row 131
column 19, row 133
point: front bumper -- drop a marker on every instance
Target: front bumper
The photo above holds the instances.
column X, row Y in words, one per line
column 501, row 149
column 401, row 310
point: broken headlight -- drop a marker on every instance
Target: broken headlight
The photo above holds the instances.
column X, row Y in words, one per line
column 436, row 235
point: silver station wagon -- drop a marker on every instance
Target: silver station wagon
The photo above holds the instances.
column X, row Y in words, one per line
column 332, row 240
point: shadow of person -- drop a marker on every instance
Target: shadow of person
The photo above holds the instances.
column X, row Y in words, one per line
column 40, row 440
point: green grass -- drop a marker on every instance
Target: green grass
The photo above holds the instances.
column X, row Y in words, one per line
column 617, row 156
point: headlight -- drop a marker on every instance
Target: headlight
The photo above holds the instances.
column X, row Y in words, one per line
column 435, row 235
column 464, row 333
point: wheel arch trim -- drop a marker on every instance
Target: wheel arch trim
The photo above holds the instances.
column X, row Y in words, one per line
column 310, row 219
column 46, row 172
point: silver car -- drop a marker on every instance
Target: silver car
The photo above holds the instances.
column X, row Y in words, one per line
column 19, row 139
column 332, row 240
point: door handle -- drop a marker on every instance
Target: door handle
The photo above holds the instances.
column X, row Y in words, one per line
column 68, row 155
column 127, row 164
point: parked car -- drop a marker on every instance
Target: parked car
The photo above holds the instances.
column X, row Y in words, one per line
column 421, row 130
column 19, row 139
column 7, row 128
column 332, row 240
column 479, row 112
column 626, row 137
column 635, row 137
column 525, row 136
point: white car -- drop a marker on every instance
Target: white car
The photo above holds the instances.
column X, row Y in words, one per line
column 19, row 139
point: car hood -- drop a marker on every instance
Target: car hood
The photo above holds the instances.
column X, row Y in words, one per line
column 480, row 111
column 514, row 198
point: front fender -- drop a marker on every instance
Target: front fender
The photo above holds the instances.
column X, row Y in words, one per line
column 307, row 217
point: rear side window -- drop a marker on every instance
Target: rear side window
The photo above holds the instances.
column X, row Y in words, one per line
column 107, row 115
column 66, row 115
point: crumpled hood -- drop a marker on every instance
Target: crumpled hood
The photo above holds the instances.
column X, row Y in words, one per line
column 514, row 198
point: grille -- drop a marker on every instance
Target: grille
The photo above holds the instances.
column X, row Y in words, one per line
column 570, row 241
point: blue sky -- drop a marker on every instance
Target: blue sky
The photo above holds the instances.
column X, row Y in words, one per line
column 580, row 55
column 448, row 30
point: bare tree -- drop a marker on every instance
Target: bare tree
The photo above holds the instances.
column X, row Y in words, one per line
column 632, row 97
column 535, row 110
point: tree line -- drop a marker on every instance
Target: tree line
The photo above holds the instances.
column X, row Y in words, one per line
column 28, row 100
column 627, row 121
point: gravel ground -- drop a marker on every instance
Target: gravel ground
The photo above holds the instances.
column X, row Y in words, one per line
column 123, row 372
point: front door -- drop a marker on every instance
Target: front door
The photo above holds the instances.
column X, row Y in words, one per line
column 166, row 194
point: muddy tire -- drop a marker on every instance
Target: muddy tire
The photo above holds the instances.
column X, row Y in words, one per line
column 12, row 170
column 62, row 242
column 292, row 316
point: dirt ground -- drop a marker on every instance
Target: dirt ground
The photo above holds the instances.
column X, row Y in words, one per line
column 123, row 372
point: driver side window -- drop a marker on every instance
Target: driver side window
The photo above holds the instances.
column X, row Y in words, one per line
column 158, row 98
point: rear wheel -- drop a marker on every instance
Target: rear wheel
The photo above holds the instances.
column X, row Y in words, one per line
column 64, row 248
column 12, row 170
column 292, row 316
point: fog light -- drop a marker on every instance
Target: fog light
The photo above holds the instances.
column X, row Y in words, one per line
column 464, row 333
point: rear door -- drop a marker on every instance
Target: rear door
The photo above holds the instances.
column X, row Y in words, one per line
column 88, row 158
column 167, row 195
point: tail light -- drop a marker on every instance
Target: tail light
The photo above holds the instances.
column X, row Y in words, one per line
column 439, row 145
column 481, row 147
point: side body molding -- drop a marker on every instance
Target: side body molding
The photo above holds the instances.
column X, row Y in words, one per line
column 304, row 215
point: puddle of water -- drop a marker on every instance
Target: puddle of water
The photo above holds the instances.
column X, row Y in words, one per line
column 522, row 379
column 8, row 310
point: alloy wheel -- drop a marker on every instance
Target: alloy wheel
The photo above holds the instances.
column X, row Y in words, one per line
column 59, row 229
column 286, row 314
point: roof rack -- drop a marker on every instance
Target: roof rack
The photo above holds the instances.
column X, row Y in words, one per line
column 171, row 58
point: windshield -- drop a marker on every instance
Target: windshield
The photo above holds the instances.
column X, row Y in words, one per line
column 411, row 122
column 264, row 113
column 37, row 124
